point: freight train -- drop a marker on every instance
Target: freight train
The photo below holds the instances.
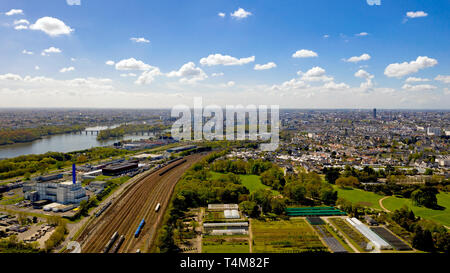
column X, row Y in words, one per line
column 172, row 167
column 119, row 244
column 110, row 242
column 103, row 209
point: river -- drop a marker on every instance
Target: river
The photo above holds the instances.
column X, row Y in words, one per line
column 62, row 143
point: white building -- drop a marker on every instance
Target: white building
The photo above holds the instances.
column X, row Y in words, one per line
column 63, row 193
column 433, row 131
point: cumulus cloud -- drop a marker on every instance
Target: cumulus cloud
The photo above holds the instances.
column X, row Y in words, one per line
column 240, row 13
column 51, row 26
column 219, row 59
column 21, row 27
column 405, row 68
column 293, row 84
column 14, row 12
column 362, row 34
column 132, row 64
column 442, row 78
column 49, row 50
column 67, row 69
column 414, row 79
column 355, row 59
column 140, row 40
column 221, row 14
column 21, row 22
column 335, row 86
column 188, row 73
column 73, row 2
column 266, row 66
column 110, row 62
column 231, row 83
column 368, row 84
column 37, row 67
column 420, row 87
column 219, row 74
column 416, row 14
column 10, row 77
column 315, row 74
column 304, row 53
column 26, row 52
column 128, row 75
column 148, row 77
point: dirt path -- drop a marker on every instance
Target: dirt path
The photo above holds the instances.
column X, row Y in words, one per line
column 200, row 229
column 381, row 203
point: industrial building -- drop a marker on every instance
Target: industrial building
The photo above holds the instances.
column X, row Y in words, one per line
column 118, row 169
column 223, row 206
column 63, row 193
column 181, row 149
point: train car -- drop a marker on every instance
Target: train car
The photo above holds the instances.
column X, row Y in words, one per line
column 100, row 212
column 158, row 207
column 110, row 242
column 138, row 230
column 119, row 244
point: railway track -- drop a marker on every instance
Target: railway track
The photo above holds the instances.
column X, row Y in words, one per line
column 136, row 203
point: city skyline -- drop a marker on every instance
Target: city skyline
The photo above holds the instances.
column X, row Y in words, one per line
column 158, row 54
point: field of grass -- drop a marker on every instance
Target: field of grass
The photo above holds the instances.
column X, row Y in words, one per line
column 361, row 197
column 251, row 182
column 293, row 236
column 225, row 244
column 439, row 216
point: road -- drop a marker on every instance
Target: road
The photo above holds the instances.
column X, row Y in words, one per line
column 136, row 203
column 381, row 204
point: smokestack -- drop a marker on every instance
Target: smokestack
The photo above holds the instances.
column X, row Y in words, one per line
column 74, row 174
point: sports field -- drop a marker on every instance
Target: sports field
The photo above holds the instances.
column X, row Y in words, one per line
column 439, row 216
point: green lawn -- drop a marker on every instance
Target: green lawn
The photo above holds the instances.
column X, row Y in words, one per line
column 225, row 244
column 440, row 216
column 251, row 182
column 357, row 196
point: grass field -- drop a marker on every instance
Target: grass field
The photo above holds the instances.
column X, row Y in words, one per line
column 439, row 216
column 251, row 182
column 361, row 197
column 293, row 236
column 225, row 244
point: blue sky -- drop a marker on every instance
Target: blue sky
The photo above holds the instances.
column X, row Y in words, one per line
column 180, row 34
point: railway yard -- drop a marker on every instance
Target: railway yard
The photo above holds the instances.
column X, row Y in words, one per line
column 141, row 205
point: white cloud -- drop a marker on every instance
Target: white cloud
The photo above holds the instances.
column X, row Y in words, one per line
column 265, row 66
column 414, row 79
column 148, row 77
column 231, row 83
column 304, row 53
column 405, row 68
column 422, row 87
column 73, row 59
column 315, row 74
column 21, row 27
column 355, row 59
column 10, row 77
column 37, row 67
column 110, row 62
column 221, row 14
column 362, row 34
column 26, row 52
column 374, row 2
column 51, row 26
column 73, row 2
column 335, row 86
column 293, row 84
column 128, row 75
column 132, row 64
column 217, row 74
column 416, row 14
column 219, row 59
column 49, row 50
column 67, row 69
column 368, row 84
column 140, row 40
column 14, row 12
column 442, row 78
column 240, row 13
column 21, row 22
column 188, row 73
